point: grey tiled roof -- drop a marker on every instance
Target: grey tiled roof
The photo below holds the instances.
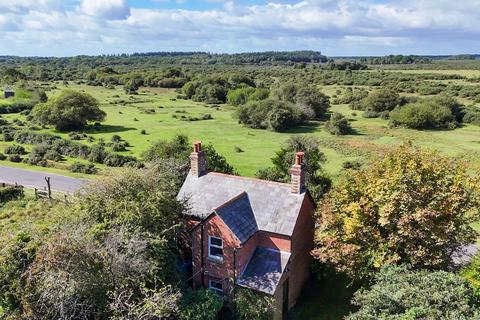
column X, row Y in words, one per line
column 274, row 206
column 238, row 216
column 264, row 270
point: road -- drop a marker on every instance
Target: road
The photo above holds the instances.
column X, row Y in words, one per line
column 35, row 179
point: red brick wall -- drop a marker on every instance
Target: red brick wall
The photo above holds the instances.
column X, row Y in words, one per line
column 274, row 241
column 217, row 270
column 302, row 245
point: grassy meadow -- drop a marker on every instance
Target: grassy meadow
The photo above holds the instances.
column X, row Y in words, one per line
column 159, row 113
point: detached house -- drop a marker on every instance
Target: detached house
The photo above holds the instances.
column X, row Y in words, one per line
column 248, row 232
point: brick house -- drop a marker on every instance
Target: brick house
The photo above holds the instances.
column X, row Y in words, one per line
column 249, row 232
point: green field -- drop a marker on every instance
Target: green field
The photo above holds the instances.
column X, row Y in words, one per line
column 128, row 115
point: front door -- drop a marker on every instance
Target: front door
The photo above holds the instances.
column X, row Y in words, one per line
column 285, row 299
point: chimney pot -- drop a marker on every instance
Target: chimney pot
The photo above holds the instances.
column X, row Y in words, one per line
column 299, row 158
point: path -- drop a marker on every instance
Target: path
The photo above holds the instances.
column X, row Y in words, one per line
column 35, row 179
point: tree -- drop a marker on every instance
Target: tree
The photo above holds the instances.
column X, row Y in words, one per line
column 400, row 293
column 71, row 110
column 430, row 113
column 379, row 101
column 413, row 206
column 307, row 98
column 269, row 114
column 115, row 255
column 252, row 305
column 316, row 180
column 338, row 124
column 172, row 157
column 471, row 272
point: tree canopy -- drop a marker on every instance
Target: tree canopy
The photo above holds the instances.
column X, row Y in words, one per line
column 400, row 293
column 70, row 110
column 316, row 180
column 413, row 206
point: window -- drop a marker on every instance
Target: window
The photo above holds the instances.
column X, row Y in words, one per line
column 215, row 285
column 215, row 248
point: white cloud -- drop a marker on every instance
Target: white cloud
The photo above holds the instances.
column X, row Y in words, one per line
column 109, row 9
column 337, row 27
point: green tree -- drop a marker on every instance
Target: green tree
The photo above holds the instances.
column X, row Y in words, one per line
column 172, row 157
column 378, row 101
column 413, row 206
column 316, row 180
column 338, row 124
column 200, row 304
column 400, row 293
column 71, row 110
column 252, row 305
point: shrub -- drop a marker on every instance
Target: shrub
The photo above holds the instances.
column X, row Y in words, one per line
column 252, row 305
column 83, row 168
column 426, row 114
column 2, row 157
column 15, row 149
column 370, row 114
column 378, row 101
column 200, row 304
column 143, row 131
column 15, row 158
column 119, row 147
column 269, row 114
column 338, row 124
column 238, row 149
column 400, row 293
column 10, row 193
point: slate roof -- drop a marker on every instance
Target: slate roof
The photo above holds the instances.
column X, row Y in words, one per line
column 274, row 206
column 238, row 215
column 264, row 270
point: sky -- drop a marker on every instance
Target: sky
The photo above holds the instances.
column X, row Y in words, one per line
column 334, row 27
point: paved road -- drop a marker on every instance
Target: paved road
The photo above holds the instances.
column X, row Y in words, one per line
column 35, row 179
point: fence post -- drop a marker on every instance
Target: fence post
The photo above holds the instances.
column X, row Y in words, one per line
column 49, row 187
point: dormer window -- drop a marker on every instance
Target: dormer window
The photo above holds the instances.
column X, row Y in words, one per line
column 215, row 248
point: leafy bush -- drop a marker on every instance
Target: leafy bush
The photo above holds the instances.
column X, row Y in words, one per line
column 2, row 157
column 10, row 193
column 269, row 114
column 423, row 115
column 241, row 96
column 14, row 158
column 307, row 98
column 399, row 293
column 370, row 114
column 252, row 305
column 200, row 304
column 15, row 149
column 378, row 101
column 338, row 124
column 83, row 168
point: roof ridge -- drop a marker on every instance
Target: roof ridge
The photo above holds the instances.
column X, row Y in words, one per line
column 249, row 178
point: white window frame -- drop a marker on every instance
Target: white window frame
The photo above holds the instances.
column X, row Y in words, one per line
column 210, row 245
column 213, row 288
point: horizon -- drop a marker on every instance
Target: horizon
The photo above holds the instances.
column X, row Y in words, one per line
column 337, row 28
column 153, row 53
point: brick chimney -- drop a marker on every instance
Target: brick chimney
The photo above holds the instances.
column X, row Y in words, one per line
column 197, row 160
column 298, row 174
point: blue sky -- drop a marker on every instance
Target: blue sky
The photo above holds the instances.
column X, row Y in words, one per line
column 335, row 27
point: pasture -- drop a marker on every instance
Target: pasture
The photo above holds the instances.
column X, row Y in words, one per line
column 161, row 115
